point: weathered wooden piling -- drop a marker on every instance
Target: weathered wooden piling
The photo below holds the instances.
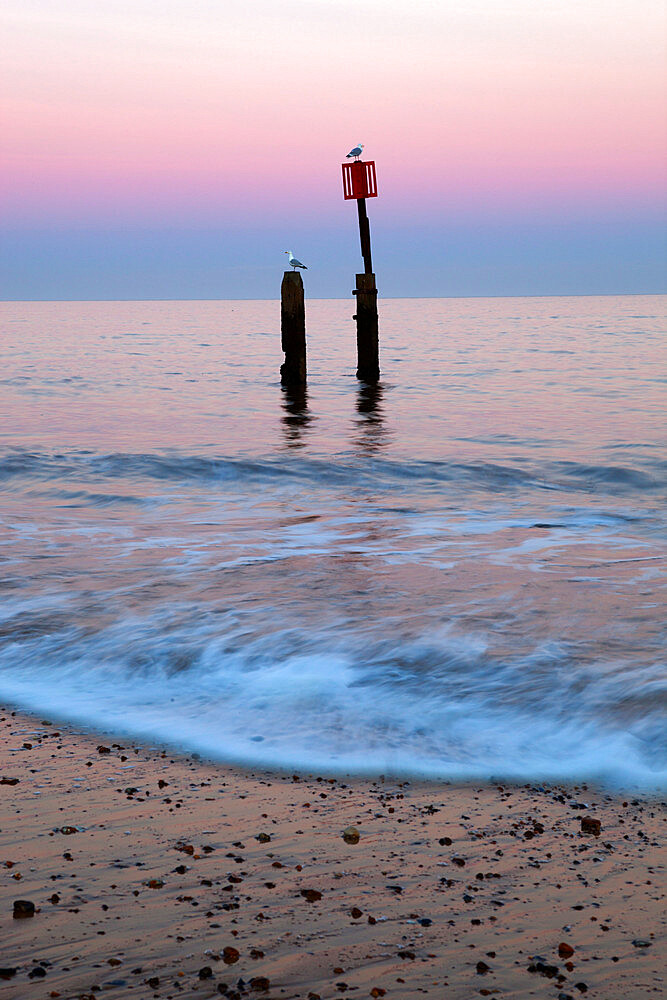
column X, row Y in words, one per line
column 368, row 350
column 293, row 329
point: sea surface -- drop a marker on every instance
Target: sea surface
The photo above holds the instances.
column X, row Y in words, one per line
column 455, row 573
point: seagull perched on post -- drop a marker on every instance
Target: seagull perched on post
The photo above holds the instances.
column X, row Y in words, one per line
column 295, row 262
column 356, row 152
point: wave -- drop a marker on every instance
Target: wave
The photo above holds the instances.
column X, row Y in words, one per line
column 444, row 705
column 174, row 469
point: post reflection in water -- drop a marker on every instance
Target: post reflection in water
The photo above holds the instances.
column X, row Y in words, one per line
column 371, row 431
column 296, row 416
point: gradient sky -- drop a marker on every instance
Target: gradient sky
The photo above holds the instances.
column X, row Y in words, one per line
column 175, row 148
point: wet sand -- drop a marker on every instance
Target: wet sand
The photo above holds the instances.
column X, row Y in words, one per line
column 164, row 876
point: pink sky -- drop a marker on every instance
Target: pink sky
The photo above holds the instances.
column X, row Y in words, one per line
column 143, row 108
column 153, row 148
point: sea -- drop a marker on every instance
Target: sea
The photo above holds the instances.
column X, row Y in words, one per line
column 454, row 574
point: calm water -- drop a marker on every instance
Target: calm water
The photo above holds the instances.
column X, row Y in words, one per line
column 455, row 574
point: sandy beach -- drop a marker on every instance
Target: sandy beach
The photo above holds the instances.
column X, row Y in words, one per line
column 164, row 876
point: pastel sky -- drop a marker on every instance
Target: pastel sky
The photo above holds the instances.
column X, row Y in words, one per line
column 174, row 148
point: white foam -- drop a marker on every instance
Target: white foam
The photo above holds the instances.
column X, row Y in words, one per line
column 440, row 707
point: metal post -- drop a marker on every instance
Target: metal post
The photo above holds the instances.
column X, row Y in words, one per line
column 365, row 235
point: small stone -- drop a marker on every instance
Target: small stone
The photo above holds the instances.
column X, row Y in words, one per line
column 68, row 830
column 153, row 982
column 230, row 955
column 7, row 973
column 154, row 883
column 23, row 908
column 482, row 968
column 641, row 943
column 565, row 950
column 543, row 968
column 377, row 991
column 590, row 825
column 9, row 781
column 351, row 835
column 37, row 973
column 102, row 749
column 460, row 862
column 263, row 838
column 425, row 921
column 206, row 972
column 312, row 895
column 406, row 954
column 260, row 984
column 445, row 841
column 355, row 913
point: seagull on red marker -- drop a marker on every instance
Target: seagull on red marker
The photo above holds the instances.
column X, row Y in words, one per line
column 295, row 262
column 356, row 152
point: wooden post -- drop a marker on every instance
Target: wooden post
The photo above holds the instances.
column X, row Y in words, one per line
column 293, row 329
column 368, row 353
column 365, row 235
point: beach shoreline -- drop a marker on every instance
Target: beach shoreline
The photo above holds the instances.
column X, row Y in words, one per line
column 162, row 875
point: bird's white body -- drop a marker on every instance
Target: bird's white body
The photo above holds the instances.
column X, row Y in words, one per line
column 356, row 152
column 294, row 261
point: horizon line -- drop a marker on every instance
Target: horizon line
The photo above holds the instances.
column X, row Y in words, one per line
column 340, row 298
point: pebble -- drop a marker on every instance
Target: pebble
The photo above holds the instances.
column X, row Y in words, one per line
column 23, row 908
column 260, row 984
column 312, row 895
column 591, row 825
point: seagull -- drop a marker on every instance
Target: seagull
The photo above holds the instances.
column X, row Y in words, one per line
column 356, row 152
column 295, row 262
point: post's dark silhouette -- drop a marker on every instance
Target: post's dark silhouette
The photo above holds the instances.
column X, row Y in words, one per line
column 293, row 329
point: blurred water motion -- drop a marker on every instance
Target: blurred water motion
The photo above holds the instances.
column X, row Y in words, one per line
column 454, row 572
